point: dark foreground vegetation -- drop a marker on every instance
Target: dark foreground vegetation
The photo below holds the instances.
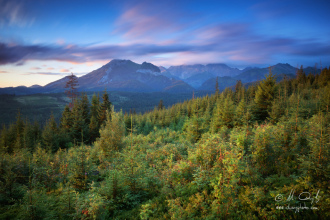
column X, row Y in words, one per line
column 38, row 107
column 256, row 153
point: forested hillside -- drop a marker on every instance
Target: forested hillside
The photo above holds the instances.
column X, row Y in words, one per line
column 38, row 107
column 260, row 152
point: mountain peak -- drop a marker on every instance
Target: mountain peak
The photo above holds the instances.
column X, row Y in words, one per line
column 217, row 64
column 35, row 86
column 118, row 62
column 149, row 66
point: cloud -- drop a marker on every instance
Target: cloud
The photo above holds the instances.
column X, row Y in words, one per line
column 64, row 71
column 2, row 71
column 226, row 42
column 14, row 13
column 43, row 73
column 35, row 68
column 272, row 9
column 147, row 20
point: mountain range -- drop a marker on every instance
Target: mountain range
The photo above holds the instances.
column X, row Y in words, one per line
column 125, row 75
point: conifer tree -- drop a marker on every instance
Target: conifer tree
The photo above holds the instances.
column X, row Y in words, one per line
column 238, row 90
column 71, row 86
column 240, row 113
column 66, row 120
column 301, row 76
column 160, row 105
column 19, row 132
column 216, row 86
column 4, row 139
column 93, row 129
column 80, row 112
column 112, row 132
column 95, row 105
column 94, row 125
column 104, row 107
column 264, row 96
column 50, row 135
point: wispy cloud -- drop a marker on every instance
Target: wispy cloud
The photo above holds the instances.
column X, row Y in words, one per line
column 51, row 73
column 35, row 68
column 2, row 71
column 228, row 42
column 14, row 13
column 43, row 73
column 148, row 20
column 64, row 71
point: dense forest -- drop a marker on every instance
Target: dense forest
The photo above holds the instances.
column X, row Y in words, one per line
column 260, row 152
column 38, row 107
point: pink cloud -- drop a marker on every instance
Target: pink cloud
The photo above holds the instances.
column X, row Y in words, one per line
column 64, row 70
column 60, row 42
column 42, row 73
column 146, row 20
column 35, row 68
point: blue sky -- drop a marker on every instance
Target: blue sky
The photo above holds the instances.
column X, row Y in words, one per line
column 42, row 41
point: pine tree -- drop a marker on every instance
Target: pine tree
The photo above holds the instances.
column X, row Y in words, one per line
column 4, row 145
column 238, row 90
column 67, row 120
column 301, row 76
column 49, row 135
column 264, row 97
column 240, row 114
column 80, row 112
column 160, row 105
column 216, row 86
column 104, row 107
column 112, row 132
column 71, row 86
column 93, row 129
column 95, row 105
column 19, row 127
column 94, row 125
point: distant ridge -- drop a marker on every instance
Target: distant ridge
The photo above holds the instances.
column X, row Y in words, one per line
column 126, row 75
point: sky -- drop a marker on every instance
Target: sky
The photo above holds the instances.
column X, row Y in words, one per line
column 44, row 40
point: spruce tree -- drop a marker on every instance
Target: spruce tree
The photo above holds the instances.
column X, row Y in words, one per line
column 71, row 86
column 112, row 132
column 50, row 135
column 264, row 97
column 216, row 86
column 104, row 107
column 93, row 129
column 80, row 114
column 66, row 120
column 95, row 105
column 160, row 105
column 240, row 113
column 94, row 125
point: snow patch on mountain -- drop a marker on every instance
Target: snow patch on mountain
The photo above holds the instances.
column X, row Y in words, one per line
column 105, row 78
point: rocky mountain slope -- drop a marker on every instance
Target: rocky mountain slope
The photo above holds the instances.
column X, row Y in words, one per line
column 125, row 75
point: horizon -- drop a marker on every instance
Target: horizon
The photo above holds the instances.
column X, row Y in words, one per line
column 41, row 42
column 63, row 76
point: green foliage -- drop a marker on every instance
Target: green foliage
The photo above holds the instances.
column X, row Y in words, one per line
column 50, row 135
column 264, row 97
column 103, row 108
column 112, row 133
column 214, row 157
